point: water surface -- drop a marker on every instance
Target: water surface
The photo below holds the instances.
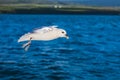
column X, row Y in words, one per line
column 91, row 53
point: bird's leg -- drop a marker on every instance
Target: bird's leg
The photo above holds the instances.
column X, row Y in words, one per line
column 27, row 45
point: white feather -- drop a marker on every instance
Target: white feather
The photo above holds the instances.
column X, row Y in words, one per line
column 45, row 33
column 45, row 29
column 25, row 37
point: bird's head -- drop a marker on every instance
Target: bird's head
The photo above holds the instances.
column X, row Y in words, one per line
column 62, row 33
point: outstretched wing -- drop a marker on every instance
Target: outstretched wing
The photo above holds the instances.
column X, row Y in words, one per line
column 44, row 29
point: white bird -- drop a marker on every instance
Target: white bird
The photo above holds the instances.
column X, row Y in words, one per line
column 43, row 34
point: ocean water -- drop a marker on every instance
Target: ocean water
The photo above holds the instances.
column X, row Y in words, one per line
column 91, row 53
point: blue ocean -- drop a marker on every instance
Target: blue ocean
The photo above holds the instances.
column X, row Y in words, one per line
column 92, row 51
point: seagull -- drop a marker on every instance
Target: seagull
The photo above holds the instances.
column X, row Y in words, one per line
column 43, row 34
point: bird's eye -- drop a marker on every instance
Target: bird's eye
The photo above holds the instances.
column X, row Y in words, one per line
column 62, row 32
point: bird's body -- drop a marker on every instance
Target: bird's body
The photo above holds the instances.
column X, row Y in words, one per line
column 43, row 34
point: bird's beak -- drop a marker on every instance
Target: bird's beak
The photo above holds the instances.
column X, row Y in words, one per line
column 67, row 37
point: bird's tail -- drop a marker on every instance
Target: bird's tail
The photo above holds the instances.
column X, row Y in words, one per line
column 25, row 37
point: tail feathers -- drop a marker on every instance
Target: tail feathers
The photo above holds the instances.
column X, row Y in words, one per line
column 25, row 37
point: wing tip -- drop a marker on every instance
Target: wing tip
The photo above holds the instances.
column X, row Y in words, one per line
column 19, row 40
column 25, row 37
